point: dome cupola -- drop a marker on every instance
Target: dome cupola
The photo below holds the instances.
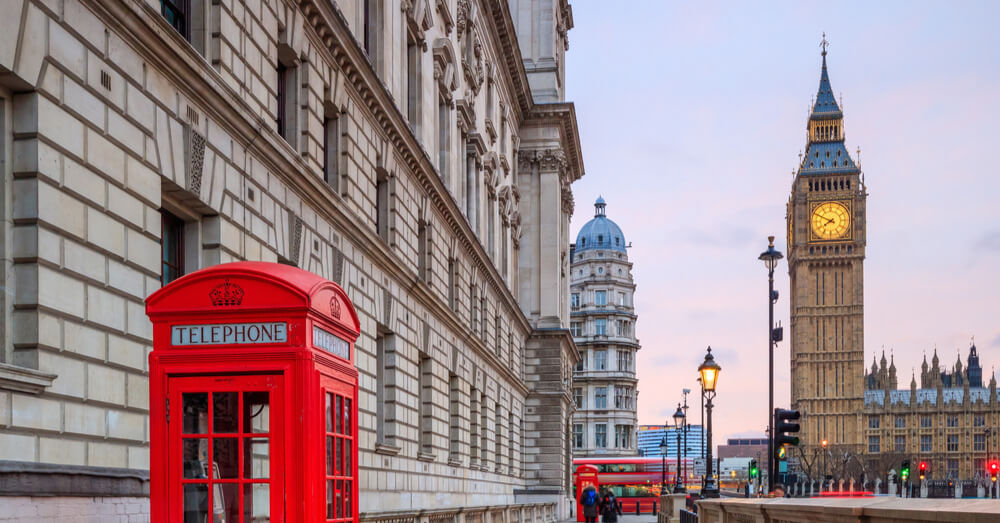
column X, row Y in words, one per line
column 600, row 232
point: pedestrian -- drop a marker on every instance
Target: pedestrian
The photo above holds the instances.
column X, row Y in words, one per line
column 609, row 508
column 590, row 500
column 779, row 491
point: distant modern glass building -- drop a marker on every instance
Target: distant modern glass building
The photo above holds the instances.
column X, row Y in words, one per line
column 650, row 436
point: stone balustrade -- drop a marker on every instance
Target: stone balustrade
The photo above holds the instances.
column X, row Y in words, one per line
column 519, row 513
column 829, row 510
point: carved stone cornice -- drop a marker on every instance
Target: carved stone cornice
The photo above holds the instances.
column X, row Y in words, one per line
column 547, row 160
column 418, row 18
column 563, row 116
column 445, row 12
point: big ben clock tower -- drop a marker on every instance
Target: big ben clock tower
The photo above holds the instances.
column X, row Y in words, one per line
column 826, row 252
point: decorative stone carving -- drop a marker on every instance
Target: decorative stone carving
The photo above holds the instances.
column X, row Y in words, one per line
column 444, row 68
column 196, row 160
column 463, row 12
column 449, row 22
column 418, row 18
column 546, row 159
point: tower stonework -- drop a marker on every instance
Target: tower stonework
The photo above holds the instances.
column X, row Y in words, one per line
column 826, row 249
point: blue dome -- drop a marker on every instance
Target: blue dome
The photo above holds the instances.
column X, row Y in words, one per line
column 600, row 233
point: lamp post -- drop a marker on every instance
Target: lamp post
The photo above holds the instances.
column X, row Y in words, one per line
column 686, row 429
column 663, row 457
column 709, row 371
column 678, row 428
column 770, row 258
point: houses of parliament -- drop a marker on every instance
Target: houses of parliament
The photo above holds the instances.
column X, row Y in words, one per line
column 949, row 420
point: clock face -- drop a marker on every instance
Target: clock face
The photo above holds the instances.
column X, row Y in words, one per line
column 831, row 221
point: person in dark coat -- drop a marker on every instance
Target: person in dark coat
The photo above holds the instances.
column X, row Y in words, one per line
column 590, row 500
column 609, row 508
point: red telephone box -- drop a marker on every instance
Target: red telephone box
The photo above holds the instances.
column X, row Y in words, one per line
column 586, row 476
column 253, row 398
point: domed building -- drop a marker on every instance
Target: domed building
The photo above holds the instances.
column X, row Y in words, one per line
column 602, row 320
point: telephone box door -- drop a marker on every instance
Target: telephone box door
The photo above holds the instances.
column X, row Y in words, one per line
column 341, row 448
column 224, row 449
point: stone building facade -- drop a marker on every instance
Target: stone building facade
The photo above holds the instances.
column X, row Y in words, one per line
column 826, row 251
column 950, row 421
column 396, row 148
column 602, row 320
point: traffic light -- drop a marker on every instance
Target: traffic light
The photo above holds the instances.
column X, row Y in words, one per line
column 784, row 422
column 994, row 468
column 753, row 469
column 923, row 470
column 904, row 470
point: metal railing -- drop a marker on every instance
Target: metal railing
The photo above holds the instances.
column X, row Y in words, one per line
column 688, row 517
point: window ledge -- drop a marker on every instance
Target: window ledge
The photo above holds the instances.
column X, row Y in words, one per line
column 455, row 461
column 23, row 379
column 426, row 456
column 389, row 450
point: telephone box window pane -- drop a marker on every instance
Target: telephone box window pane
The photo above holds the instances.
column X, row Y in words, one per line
column 340, row 415
column 195, row 502
column 226, row 502
column 347, row 456
column 339, row 502
column 256, row 415
column 195, row 457
column 256, row 503
column 329, row 456
column 347, row 416
column 226, row 452
column 225, row 406
column 329, row 412
column 195, row 406
column 257, row 463
column 347, row 498
column 329, row 499
column 340, row 457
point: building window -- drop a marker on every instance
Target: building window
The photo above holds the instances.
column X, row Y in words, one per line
column 582, row 364
column 623, row 436
column 899, row 444
column 331, row 149
column 444, row 137
column 601, row 435
column 372, row 34
column 952, row 468
column 578, row 435
column 600, row 359
column 873, row 442
column 624, row 360
column 979, row 421
column 382, row 205
column 574, row 299
column 601, row 398
column 600, row 298
column 413, row 52
column 978, row 442
column 952, row 421
column 384, row 367
column 286, row 92
column 178, row 15
column 900, row 422
column 576, row 328
column 623, row 397
column 601, row 327
column 979, row 467
column 475, row 402
column 926, row 443
column 425, row 254
column 578, row 397
column 873, row 422
column 621, row 298
column 952, row 442
column 454, row 416
column 453, row 284
column 426, row 398
column 925, row 422
column 171, row 247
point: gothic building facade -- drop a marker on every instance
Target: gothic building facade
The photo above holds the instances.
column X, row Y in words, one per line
column 948, row 421
column 826, row 251
column 602, row 320
column 419, row 153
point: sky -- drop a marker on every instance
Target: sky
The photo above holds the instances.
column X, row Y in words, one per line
column 692, row 115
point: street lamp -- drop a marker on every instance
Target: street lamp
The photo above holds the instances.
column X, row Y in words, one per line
column 709, row 371
column 663, row 457
column 678, row 427
column 770, row 258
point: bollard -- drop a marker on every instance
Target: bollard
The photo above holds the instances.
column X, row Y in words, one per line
column 637, row 508
column 654, row 507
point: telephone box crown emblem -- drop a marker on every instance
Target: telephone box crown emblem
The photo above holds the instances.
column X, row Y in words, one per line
column 226, row 294
column 335, row 307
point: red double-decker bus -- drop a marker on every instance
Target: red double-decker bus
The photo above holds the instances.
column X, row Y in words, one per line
column 637, row 480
